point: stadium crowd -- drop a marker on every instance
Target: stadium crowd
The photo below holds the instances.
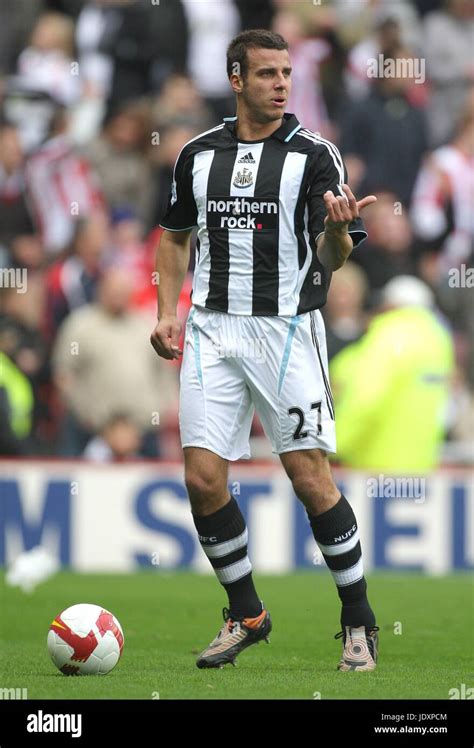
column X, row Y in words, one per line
column 97, row 97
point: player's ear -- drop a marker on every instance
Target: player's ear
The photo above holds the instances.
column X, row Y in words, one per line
column 236, row 83
column 236, row 78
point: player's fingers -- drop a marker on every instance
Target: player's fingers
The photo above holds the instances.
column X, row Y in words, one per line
column 331, row 214
column 351, row 199
column 161, row 342
column 337, row 208
column 339, row 212
column 345, row 210
column 329, row 199
column 172, row 350
column 366, row 201
column 332, row 206
column 175, row 332
column 174, row 339
column 159, row 347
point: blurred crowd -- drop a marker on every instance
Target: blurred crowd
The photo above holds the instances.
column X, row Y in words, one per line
column 97, row 97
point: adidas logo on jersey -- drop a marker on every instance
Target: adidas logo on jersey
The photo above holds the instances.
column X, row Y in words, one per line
column 247, row 159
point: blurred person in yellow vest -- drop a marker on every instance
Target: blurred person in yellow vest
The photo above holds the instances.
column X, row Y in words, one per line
column 16, row 407
column 391, row 388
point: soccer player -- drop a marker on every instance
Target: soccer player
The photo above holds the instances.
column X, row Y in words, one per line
column 275, row 218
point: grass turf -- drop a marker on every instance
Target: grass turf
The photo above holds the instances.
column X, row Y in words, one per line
column 168, row 618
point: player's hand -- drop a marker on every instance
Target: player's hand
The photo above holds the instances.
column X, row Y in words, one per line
column 342, row 210
column 165, row 336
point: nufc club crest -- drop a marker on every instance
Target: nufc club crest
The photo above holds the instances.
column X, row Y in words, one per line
column 243, row 178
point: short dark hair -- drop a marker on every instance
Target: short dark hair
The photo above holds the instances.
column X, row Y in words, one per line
column 251, row 39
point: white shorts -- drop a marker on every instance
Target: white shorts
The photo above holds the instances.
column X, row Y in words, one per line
column 233, row 364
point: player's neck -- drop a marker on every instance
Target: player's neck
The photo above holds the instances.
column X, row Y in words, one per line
column 248, row 129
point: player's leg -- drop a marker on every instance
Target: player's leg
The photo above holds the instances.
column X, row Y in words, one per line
column 221, row 529
column 215, row 419
column 292, row 396
column 335, row 530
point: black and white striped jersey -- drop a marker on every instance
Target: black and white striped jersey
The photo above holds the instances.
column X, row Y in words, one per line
column 259, row 209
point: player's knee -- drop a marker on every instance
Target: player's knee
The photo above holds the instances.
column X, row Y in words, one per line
column 204, row 486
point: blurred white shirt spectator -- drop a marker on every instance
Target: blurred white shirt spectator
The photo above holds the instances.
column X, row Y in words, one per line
column 447, row 177
column 96, row 67
column 212, row 25
column 48, row 62
column 448, row 44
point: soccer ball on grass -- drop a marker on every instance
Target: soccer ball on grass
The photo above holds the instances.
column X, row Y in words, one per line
column 85, row 640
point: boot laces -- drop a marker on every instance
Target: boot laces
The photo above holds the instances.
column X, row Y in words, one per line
column 368, row 631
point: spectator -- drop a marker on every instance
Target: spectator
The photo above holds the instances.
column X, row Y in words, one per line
column 442, row 210
column 256, row 15
column 212, row 32
column 145, row 46
column 163, row 159
column 391, row 388
column 387, row 252
column 356, row 16
column 344, row 314
column 72, row 282
column 16, row 407
column 386, row 36
column 104, row 364
column 119, row 440
column 60, row 184
column 25, row 300
column 94, row 26
column 14, row 213
column 17, row 19
column 448, row 43
column 47, row 62
column 384, row 136
column 181, row 105
column 306, row 54
column 119, row 158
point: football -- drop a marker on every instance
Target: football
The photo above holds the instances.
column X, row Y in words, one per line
column 85, row 640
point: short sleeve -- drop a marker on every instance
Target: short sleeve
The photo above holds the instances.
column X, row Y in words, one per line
column 329, row 173
column 181, row 213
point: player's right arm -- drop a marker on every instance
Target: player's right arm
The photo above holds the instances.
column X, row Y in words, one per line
column 172, row 257
column 172, row 261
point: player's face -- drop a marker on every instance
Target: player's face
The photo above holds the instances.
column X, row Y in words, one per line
column 266, row 87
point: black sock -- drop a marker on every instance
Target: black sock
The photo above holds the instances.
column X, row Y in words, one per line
column 336, row 534
column 223, row 538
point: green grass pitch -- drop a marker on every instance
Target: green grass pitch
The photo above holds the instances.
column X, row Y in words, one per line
column 169, row 617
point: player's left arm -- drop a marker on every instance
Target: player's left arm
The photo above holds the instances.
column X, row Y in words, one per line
column 335, row 244
column 334, row 213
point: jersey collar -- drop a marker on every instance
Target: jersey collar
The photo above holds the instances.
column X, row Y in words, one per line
column 285, row 132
